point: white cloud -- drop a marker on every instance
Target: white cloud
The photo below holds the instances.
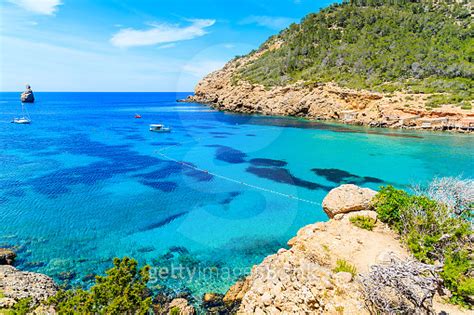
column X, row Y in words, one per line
column 167, row 46
column 160, row 33
column 273, row 22
column 46, row 7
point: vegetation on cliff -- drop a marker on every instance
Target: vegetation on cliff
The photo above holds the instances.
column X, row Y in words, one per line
column 383, row 45
column 122, row 291
column 436, row 229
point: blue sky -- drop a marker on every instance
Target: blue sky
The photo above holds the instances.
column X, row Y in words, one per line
column 132, row 45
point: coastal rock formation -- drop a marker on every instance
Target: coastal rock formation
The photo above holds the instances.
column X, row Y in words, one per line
column 347, row 198
column 325, row 101
column 307, row 279
column 7, row 256
column 27, row 96
column 16, row 285
column 303, row 279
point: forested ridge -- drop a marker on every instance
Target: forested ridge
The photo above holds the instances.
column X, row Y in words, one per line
column 379, row 45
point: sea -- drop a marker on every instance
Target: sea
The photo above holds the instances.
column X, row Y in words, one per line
column 86, row 181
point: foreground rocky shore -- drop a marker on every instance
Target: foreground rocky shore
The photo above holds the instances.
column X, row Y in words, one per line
column 308, row 278
column 326, row 101
column 328, row 268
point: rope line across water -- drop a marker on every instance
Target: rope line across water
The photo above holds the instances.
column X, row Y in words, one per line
column 237, row 181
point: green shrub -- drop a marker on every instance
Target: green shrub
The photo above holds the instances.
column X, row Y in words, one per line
column 175, row 311
column 456, row 266
column 433, row 232
column 363, row 222
column 122, row 291
column 466, row 106
column 22, row 307
column 343, row 266
column 388, row 203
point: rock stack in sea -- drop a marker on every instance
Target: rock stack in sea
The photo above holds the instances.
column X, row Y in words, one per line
column 27, row 96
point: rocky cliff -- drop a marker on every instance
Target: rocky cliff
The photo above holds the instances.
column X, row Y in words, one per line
column 402, row 64
column 326, row 101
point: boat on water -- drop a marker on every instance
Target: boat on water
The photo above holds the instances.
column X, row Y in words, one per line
column 21, row 121
column 25, row 119
column 159, row 128
column 138, row 116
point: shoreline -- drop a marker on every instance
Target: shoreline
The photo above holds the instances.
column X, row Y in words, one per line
column 357, row 123
column 332, row 122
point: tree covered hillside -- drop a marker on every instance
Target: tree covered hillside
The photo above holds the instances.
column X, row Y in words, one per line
column 381, row 45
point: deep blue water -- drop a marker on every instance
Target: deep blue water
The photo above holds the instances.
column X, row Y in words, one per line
column 85, row 181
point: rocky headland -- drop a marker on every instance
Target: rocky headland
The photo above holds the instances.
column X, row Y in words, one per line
column 382, row 64
column 326, row 101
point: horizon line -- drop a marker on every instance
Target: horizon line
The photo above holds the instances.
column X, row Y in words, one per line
column 20, row 91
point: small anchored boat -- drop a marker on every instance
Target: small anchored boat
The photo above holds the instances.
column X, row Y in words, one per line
column 159, row 128
column 22, row 121
column 25, row 119
column 138, row 116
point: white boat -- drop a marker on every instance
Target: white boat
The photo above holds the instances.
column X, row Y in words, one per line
column 25, row 119
column 22, row 121
column 159, row 128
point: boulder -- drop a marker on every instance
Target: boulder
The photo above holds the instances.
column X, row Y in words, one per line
column 183, row 306
column 18, row 285
column 347, row 198
column 212, row 299
column 27, row 96
column 7, row 256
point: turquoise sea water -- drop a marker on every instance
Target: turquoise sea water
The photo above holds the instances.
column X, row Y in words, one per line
column 86, row 182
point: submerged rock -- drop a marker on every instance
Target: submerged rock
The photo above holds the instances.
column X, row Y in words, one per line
column 66, row 275
column 27, row 96
column 347, row 198
column 213, row 303
column 7, row 256
column 182, row 305
column 17, row 285
column 164, row 304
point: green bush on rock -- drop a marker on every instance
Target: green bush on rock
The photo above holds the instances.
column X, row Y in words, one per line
column 122, row 291
column 344, row 266
column 363, row 222
column 434, row 232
